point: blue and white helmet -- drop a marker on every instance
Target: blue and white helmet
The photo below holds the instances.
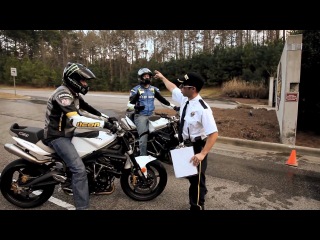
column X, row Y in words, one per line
column 142, row 72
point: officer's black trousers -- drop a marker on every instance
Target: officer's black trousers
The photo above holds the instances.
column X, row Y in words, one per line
column 198, row 189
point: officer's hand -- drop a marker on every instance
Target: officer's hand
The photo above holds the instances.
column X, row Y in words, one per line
column 157, row 75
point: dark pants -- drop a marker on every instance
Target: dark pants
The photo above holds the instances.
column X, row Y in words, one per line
column 197, row 188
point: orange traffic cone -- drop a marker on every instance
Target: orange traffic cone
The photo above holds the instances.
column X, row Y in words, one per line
column 292, row 161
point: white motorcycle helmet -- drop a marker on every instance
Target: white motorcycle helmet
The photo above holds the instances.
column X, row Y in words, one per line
column 142, row 72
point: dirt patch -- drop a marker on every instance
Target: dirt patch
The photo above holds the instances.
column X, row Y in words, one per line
column 12, row 96
column 248, row 123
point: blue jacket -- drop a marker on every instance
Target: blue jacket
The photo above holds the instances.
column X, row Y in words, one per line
column 141, row 96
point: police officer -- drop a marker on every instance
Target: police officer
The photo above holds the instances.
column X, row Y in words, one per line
column 198, row 127
column 142, row 96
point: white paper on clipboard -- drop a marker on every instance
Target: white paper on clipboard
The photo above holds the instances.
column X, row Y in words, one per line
column 181, row 162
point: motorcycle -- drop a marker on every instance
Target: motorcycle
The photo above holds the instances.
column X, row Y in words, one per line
column 30, row 181
column 162, row 135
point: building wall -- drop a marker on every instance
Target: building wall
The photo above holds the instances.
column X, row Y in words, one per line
column 287, row 89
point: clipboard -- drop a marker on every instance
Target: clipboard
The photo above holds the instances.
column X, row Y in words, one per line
column 181, row 162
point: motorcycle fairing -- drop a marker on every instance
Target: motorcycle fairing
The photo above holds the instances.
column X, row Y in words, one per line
column 31, row 147
column 143, row 160
column 86, row 146
column 127, row 123
column 157, row 124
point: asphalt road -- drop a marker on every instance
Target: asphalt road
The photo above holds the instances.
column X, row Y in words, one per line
column 238, row 178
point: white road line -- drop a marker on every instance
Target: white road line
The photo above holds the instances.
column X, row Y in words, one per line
column 62, row 203
column 58, row 202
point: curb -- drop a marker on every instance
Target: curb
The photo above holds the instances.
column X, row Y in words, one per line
column 269, row 146
column 255, row 106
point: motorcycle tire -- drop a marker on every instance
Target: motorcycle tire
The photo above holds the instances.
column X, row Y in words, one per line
column 19, row 172
column 167, row 158
column 134, row 187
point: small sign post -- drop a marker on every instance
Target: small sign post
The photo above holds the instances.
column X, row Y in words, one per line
column 14, row 74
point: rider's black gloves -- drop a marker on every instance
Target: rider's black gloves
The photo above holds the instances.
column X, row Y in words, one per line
column 139, row 108
column 177, row 109
column 112, row 119
column 110, row 126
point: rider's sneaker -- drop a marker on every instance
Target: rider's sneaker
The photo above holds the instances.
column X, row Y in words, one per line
column 68, row 190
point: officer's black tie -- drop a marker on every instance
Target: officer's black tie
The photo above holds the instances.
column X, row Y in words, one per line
column 182, row 121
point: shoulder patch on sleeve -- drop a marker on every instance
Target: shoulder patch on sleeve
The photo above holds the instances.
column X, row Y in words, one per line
column 64, row 98
column 203, row 104
column 141, row 91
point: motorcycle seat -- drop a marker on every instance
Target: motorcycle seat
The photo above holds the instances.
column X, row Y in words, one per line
column 30, row 134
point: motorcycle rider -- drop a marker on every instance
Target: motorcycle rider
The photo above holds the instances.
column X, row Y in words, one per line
column 142, row 96
column 63, row 116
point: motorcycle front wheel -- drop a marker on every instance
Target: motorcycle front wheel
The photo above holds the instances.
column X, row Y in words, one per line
column 13, row 178
column 134, row 187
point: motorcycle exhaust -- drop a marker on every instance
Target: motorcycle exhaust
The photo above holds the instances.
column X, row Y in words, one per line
column 20, row 153
column 46, row 176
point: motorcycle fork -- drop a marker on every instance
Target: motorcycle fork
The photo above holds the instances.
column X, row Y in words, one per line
column 134, row 162
column 136, row 168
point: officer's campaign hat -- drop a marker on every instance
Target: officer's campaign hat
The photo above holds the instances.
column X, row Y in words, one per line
column 192, row 79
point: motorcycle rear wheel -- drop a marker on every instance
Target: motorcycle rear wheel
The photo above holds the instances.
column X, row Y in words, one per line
column 133, row 186
column 18, row 173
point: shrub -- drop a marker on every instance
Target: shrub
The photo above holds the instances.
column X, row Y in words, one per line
column 238, row 88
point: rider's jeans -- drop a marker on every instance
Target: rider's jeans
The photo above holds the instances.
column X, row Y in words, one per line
column 142, row 124
column 66, row 150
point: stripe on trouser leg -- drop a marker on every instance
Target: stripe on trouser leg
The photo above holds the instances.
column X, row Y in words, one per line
column 198, row 195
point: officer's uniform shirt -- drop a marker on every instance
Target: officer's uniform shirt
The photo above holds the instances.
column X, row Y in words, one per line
column 199, row 121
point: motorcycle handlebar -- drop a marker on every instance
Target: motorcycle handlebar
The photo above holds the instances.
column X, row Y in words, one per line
column 176, row 108
column 171, row 106
column 165, row 115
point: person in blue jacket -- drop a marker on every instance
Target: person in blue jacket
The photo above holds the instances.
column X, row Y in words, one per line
column 142, row 97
